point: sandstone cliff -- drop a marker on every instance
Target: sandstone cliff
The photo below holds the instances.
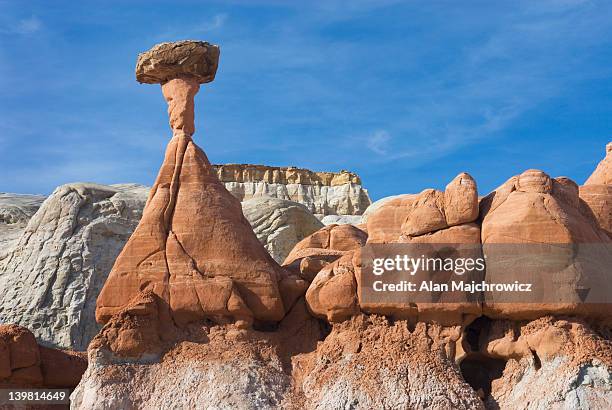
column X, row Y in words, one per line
column 323, row 193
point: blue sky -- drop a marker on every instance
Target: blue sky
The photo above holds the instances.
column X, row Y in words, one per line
column 407, row 94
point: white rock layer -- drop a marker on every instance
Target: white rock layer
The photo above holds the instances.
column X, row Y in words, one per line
column 346, row 199
column 279, row 224
column 50, row 279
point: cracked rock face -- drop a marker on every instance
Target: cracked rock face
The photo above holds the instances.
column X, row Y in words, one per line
column 49, row 278
column 194, row 249
column 166, row 61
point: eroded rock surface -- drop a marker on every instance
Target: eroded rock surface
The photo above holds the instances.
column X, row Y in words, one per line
column 279, row 224
column 166, row 61
column 535, row 210
column 211, row 366
column 323, row 193
column 427, row 212
column 547, row 363
column 323, row 247
column 368, row 363
column 50, row 278
column 15, row 212
column 603, row 173
column 597, row 192
column 25, row 364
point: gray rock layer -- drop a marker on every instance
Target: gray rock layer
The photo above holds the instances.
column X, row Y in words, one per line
column 342, row 219
column 557, row 384
column 279, row 224
column 15, row 212
column 50, row 278
column 200, row 384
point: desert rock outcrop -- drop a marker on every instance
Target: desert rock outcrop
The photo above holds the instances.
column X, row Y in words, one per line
column 167, row 61
column 369, row 363
column 539, row 212
column 429, row 211
column 548, row 363
column 51, row 276
column 15, row 212
column 323, row 193
column 597, row 192
column 25, row 364
column 603, row 173
column 279, row 224
column 431, row 217
column 321, row 248
column 195, row 298
column 193, row 247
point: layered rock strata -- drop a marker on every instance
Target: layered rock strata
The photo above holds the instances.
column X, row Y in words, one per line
column 323, row 193
column 534, row 209
column 193, row 278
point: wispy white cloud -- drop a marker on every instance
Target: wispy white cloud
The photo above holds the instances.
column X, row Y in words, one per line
column 23, row 26
column 378, row 142
column 182, row 31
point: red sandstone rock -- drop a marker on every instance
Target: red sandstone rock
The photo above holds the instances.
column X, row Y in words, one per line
column 597, row 192
column 24, row 364
column 194, row 248
column 313, row 253
column 384, row 225
column 603, row 173
column 196, row 266
column 429, row 211
column 20, row 356
column 599, row 200
column 333, row 292
column 534, row 209
column 62, row 368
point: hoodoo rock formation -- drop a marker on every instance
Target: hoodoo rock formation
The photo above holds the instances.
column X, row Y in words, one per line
column 89, row 224
column 323, row 193
column 193, row 247
column 197, row 314
column 532, row 209
column 410, row 216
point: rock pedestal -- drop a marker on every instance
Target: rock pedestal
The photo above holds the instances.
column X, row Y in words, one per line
column 194, row 248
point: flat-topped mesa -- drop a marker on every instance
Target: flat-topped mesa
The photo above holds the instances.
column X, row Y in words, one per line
column 180, row 68
column 283, row 175
column 323, row 193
